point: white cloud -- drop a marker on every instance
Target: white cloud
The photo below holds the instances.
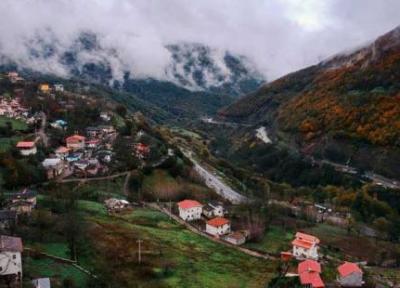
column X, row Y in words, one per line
column 278, row 35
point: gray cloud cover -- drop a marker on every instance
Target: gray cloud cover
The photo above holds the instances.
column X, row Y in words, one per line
column 279, row 36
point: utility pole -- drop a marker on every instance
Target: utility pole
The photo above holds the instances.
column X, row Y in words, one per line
column 139, row 250
column 170, row 209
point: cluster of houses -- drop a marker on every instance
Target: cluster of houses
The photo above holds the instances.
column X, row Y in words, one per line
column 12, row 108
column 14, row 77
column 305, row 249
column 82, row 156
column 47, row 88
column 216, row 224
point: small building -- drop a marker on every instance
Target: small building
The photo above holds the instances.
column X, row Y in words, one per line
column 309, row 273
column 213, row 209
column 286, row 256
column 59, row 87
column 27, row 148
column 350, row 275
column 41, row 283
column 93, row 132
column 44, row 88
column 142, row 150
column 93, row 143
column 73, row 157
column 218, row 226
column 116, row 205
column 235, row 238
column 23, row 202
column 10, row 257
column 75, row 142
column 105, row 116
column 59, row 124
column 54, row 167
column 62, row 152
column 8, row 219
column 190, row 210
column 107, row 129
column 305, row 246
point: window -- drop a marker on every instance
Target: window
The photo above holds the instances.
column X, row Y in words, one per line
column 14, row 256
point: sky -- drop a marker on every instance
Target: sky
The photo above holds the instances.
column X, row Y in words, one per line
column 278, row 36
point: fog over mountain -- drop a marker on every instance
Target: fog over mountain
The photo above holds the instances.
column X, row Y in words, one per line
column 136, row 36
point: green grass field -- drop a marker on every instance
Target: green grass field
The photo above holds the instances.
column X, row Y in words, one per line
column 7, row 143
column 192, row 260
column 17, row 125
column 274, row 241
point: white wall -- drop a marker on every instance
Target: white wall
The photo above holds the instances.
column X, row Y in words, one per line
column 9, row 265
column 221, row 230
column 191, row 213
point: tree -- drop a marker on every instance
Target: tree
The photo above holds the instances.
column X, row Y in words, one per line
column 121, row 110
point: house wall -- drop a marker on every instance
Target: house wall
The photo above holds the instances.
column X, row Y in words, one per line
column 27, row 152
column 235, row 241
column 190, row 214
column 76, row 146
column 10, row 263
column 352, row 280
column 303, row 253
column 220, row 230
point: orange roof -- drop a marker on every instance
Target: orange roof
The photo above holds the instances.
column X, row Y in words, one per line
column 187, row 204
column 25, row 144
column 62, row 149
column 311, row 278
column 75, row 138
column 310, row 266
column 307, row 237
column 304, row 244
column 348, row 268
column 218, row 221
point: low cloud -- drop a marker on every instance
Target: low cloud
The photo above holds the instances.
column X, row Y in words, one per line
column 279, row 36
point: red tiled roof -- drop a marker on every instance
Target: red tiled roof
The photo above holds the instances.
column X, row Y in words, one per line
column 187, row 204
column 307, row 237
column 25, row 144
column 311, row 278
column 310, row 266
column 8, row 243
column 218, row 221
column 75, row 138
column 348, row 268
column 299, row 243
column 62, row 149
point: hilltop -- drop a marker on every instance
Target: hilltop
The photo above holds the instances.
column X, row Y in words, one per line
column 345, row 108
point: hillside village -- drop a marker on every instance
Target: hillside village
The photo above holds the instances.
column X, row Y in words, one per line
column 75, row 168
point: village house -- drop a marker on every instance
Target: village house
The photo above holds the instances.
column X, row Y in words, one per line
column 41, row 283
column 350, row 275
column 190, row 210
column 142, row 150
column 93, row 143
column 27, row 148
column 75, row 142
column 218, row 226
column 213, row 209
column 62, row 152
column 23, row 202
column 8, row 219
column 44, row 88
column 309, row 273
column 59, row 87
column 54, row 167
column 73, row 157
column 105, row 116
column 93, row 132
column 235, row 238
column 10, row 257
column 107, row 129
column 305, row 246
column 116, row 205
column 59, row 124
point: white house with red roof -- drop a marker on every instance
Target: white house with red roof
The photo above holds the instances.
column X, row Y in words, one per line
column 27, row 148
column 305, row 246
column 10, row 257
column 350, row 275
column 190, row 210
column 218, row 226
column 309, row 273
column 75, row 142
